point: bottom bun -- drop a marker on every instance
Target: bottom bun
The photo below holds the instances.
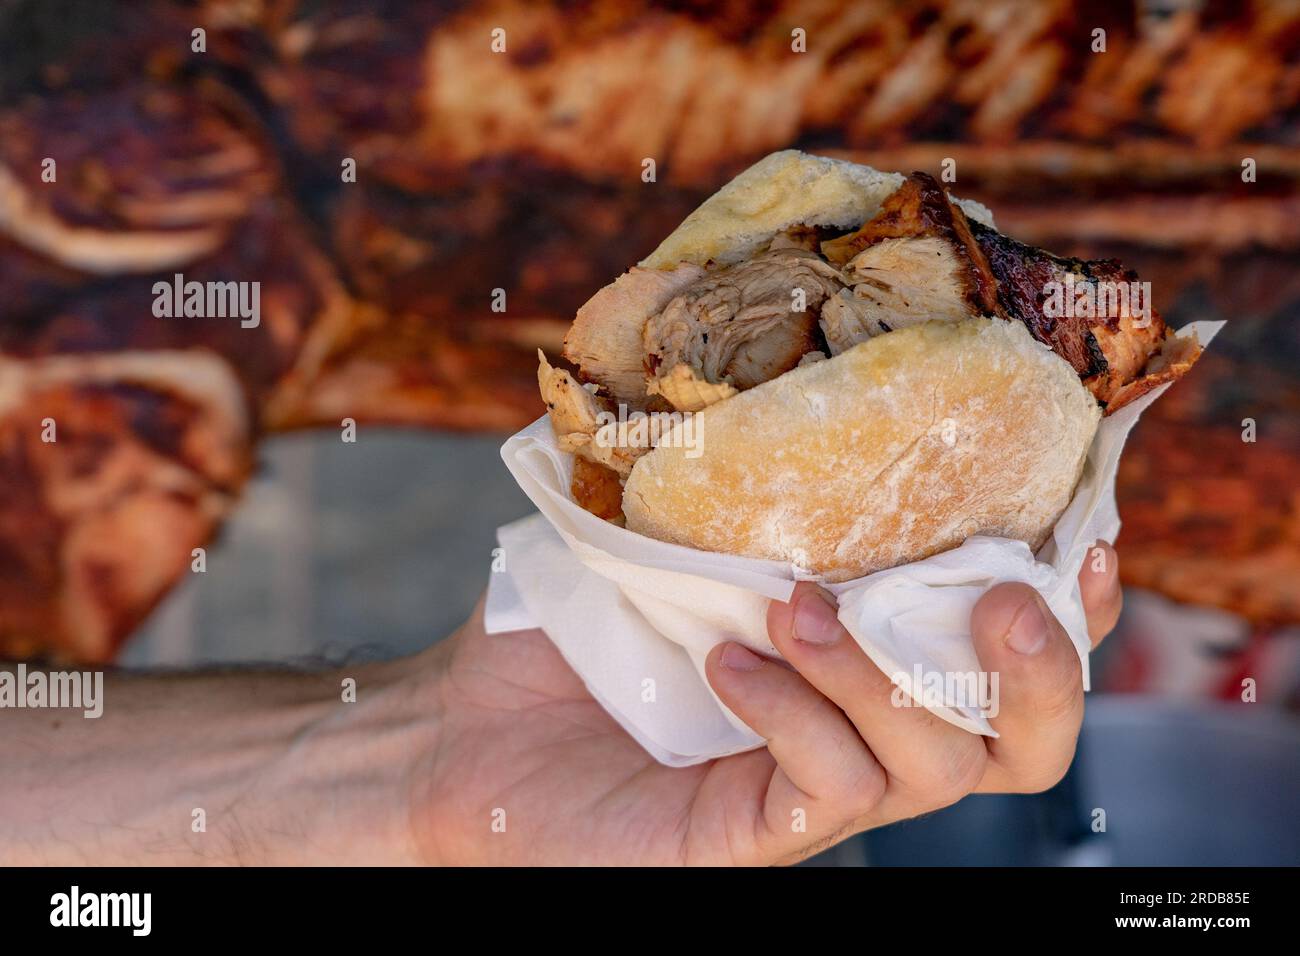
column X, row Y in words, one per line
column 897, row 449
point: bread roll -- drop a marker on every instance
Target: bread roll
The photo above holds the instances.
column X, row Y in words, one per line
column 897, row 449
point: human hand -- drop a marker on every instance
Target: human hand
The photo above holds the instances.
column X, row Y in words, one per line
column 528, row 769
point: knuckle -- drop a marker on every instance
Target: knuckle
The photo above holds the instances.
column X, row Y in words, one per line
column 1047, row 775
column 865, row 787
column 960, row 772
column 967, row 767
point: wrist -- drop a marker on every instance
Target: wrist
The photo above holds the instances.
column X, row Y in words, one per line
column 340, row 794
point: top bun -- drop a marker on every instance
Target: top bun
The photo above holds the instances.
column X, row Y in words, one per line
column 781, row 190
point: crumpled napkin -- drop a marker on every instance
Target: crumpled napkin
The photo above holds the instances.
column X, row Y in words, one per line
column 635, row 617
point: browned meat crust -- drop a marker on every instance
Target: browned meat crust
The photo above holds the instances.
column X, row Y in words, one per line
column 1108, row 351
column 1109, row 346
column 303, row 311
column 147, row 178
column 1206, row 524
column 1023, row 272
column 1210, row 518
column 154, row 416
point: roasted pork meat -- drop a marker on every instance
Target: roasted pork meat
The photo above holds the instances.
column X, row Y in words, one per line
column 917, row 260
column 737, row 327
column 577, row 415
column 920, row 259
column 921, row 209
column 134, row 180
column 607, row 339
column 692, row 336
column 1207, row 485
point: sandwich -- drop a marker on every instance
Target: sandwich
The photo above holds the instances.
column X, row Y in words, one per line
column 847, row 370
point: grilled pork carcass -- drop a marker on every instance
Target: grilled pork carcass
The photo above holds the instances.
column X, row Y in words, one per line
column 1207, row 485
column 304, row 313
column 1014, row 95
column 1068, row 144
column 126, row 429
column 1079, row 148
column 115, row 466
column 428, row 96
column 144, row 178
column 1206, row 523
column 1074, row 148
column 152, row 183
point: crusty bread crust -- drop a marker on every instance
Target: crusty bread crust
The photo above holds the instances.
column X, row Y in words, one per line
column 899, row 448
column 781, row 190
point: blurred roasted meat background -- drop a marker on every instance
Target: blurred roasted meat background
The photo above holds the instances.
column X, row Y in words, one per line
column 222, row 155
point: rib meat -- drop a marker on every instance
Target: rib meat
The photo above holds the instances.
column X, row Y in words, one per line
column 424, row 99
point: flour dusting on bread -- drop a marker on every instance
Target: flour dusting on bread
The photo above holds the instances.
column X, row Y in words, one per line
column 902, row 447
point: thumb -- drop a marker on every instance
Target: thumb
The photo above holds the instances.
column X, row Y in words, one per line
column 1039, row 689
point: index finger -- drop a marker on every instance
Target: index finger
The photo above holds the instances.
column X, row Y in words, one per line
column 1103, row 598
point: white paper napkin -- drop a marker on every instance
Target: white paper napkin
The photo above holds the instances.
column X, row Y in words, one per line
column 636, row 617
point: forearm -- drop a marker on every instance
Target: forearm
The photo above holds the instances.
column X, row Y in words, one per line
column 283, row 770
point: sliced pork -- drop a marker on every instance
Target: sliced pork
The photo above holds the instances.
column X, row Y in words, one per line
column 605, row 341
column 916, row 261
column 737, row 327
column 894, row 284
column 920, row 259
column 922, row 209
column 583, row 421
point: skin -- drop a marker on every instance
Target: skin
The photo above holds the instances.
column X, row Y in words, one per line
column 497, row 729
